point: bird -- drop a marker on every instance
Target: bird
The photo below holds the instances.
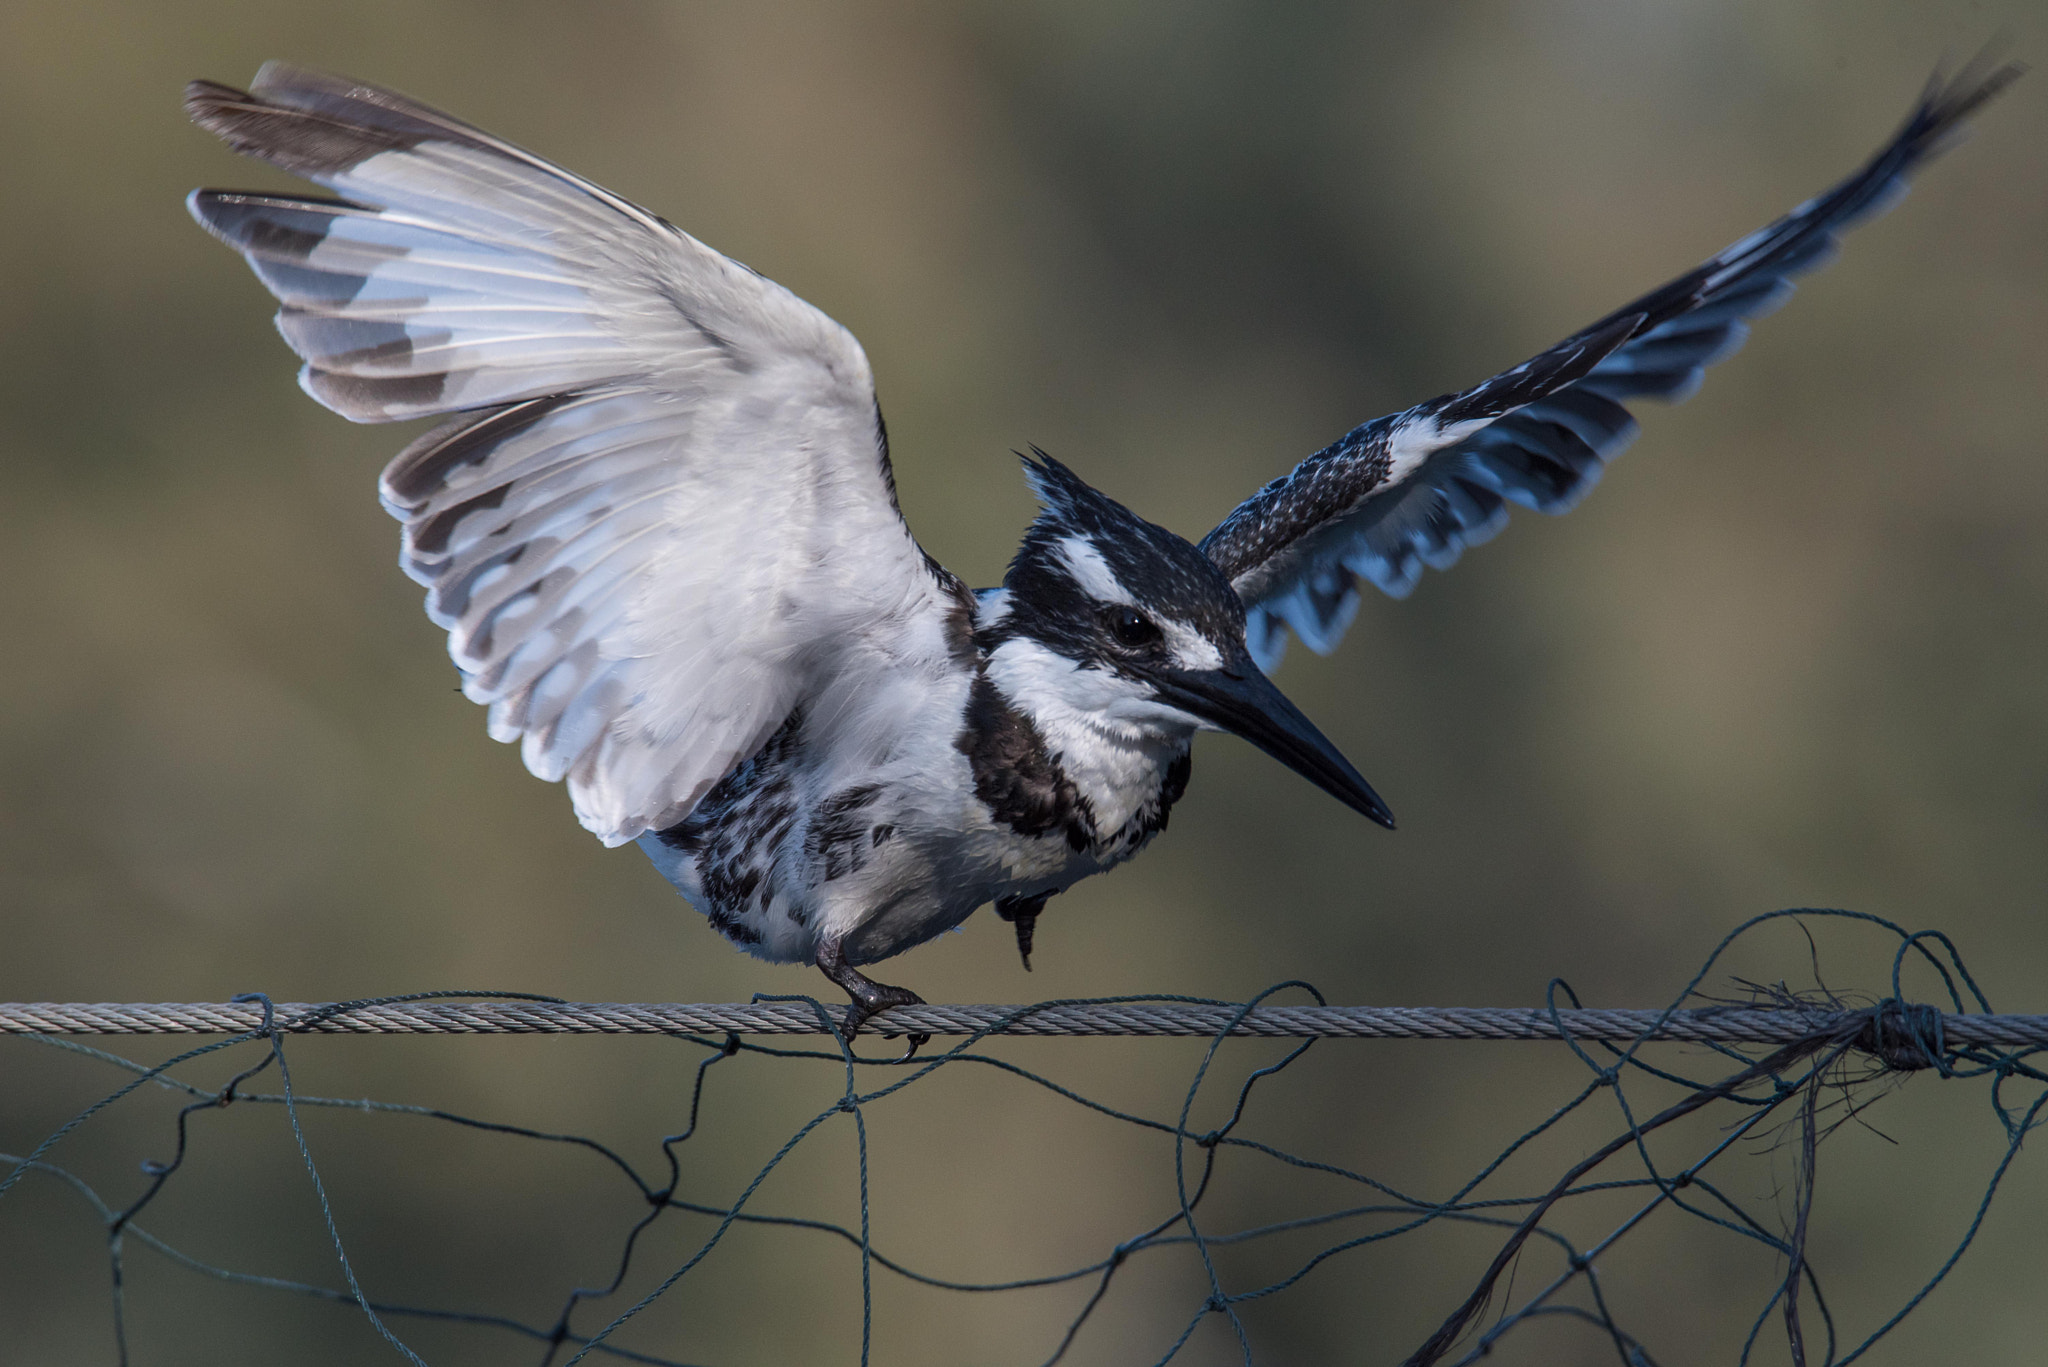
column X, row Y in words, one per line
column 659, row 524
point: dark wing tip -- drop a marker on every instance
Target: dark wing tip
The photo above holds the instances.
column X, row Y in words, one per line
column 308, row 123
column 1982, row 79
column 216, row 107
column 1936, row 123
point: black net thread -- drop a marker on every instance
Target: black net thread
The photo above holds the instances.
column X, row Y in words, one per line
column 1798, row 1088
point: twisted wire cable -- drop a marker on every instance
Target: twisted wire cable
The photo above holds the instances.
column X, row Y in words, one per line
column 1711, row 1025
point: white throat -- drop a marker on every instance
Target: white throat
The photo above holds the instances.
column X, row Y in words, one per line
column 1113, row 742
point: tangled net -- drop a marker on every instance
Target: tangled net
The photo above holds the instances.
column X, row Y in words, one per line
column 1783, row 1069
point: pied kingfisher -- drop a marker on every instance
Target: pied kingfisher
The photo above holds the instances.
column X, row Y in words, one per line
column 660, row 527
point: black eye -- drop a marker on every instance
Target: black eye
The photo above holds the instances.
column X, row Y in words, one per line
column 1132, row 628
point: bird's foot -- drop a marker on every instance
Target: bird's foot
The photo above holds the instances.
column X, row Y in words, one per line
column 869, row 996
column 1022, row 912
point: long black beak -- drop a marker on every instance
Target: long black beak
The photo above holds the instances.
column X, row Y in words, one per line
column 1244, row 701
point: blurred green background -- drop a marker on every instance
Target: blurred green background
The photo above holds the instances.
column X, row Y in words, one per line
column 1792, row 652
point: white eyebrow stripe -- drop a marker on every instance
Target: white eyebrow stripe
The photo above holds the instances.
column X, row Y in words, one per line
column 1191, row 649
column 1092, row 572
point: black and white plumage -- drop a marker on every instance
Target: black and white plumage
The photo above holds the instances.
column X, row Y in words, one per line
column 660, row 527
column 1414, row 489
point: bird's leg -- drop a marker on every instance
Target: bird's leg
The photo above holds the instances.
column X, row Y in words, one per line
column 868, row 995
column 1022, row 912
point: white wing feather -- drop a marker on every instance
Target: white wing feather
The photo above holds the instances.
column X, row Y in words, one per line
column 664, row 513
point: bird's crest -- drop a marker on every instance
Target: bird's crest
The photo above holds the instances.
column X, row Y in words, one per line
column 1086, row 548
column 1068, row 505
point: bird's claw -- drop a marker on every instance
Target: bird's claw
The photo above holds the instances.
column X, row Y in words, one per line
column 870, row 998
column 879, row 998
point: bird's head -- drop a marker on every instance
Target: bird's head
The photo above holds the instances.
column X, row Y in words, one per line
column 1109, row 622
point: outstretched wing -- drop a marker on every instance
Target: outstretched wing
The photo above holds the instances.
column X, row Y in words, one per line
column 663, row 508
column 1415, row 488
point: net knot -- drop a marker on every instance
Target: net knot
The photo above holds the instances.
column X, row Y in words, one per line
column 269, row 1026
column 1904, row 1036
